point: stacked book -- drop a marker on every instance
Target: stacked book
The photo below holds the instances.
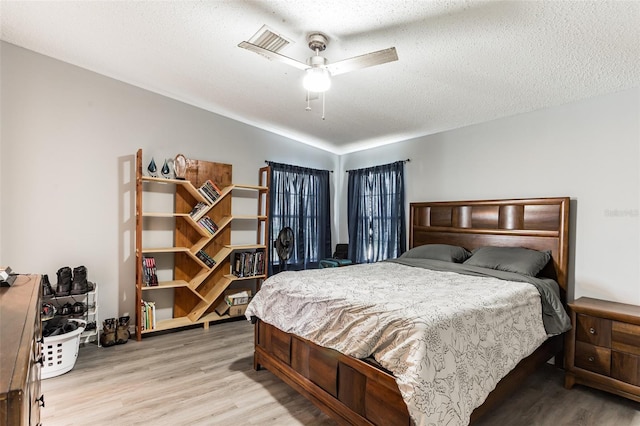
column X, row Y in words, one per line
column 198, row 210
column 248, row 264
column 210, row 191
column 208, row 224
column 149, row 271
column 148, row 315
column 205, row 258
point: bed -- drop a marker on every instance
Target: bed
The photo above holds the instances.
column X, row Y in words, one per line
column 363, row 380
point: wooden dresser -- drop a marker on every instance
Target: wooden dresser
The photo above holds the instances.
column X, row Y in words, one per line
column 603, row 347
column 20, row 352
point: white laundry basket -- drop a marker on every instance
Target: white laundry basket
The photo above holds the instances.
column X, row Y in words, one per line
column 60, row 352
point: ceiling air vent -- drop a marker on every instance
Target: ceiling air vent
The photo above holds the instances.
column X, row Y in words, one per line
column 267, row 39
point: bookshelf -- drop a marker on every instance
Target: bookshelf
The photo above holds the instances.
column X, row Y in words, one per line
column 195, row 266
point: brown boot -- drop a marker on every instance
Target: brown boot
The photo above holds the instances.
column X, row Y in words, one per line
column 122, row 330
column 108, row 336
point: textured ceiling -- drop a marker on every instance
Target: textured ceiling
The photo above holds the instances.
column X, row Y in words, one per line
column 460, row 62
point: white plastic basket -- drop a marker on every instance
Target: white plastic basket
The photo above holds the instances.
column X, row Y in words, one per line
column 60, row 352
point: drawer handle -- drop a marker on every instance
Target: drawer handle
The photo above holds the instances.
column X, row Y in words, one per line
column 591, row 359
column 41, row 400
column 592, row 330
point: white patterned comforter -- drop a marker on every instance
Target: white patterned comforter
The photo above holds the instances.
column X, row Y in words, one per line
column 448, row 338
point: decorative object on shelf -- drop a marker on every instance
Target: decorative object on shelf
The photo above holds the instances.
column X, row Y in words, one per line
column 180, row 166
column 152, row 168
column 166, row 169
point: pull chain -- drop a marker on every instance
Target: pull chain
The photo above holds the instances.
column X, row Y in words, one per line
column 323, row 105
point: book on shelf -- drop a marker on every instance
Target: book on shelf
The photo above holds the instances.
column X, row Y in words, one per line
column 205, row 258
column 198, row 210
column 148, row 315
column 248, row 264
column 210, row 191
column 149, row 271
column 208, row 224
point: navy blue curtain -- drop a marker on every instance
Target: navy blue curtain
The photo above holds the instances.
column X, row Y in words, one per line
column 299, row 199
column 375, row 213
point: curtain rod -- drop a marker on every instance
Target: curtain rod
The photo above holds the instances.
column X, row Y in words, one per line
column 267, row 161
column 408, row 160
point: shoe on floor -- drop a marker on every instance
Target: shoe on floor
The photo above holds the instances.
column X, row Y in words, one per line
column 108, row 335
column 122, row 331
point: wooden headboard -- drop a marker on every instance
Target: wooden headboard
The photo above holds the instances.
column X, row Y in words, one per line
column 536, row 223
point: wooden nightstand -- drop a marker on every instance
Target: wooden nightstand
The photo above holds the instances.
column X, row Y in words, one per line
column 603, row 347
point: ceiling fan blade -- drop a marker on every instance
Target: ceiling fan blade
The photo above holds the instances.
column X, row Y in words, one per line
column 273, row 55
column 363, row 61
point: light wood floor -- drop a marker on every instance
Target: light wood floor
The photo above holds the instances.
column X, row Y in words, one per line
column 206, row 377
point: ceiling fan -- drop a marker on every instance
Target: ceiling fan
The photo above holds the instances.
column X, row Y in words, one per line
column 318, row 70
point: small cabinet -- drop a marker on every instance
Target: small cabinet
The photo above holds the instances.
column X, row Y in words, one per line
column 603, row 347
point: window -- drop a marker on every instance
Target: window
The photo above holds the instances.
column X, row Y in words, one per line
column 377, row 229
column 299, row 199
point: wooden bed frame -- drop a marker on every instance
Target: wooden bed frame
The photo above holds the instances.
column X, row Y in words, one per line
column 355, row 392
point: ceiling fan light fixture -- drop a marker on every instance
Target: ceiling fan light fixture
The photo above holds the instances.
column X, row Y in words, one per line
column 317, row 79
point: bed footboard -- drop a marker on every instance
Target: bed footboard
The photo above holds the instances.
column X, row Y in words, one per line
column 354, row 392
column 347, row 389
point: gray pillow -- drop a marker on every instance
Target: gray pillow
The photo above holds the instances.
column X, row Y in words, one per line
column 511, row 259
column 442, row 252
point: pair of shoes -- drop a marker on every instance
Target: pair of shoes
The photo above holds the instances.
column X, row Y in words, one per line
column 47, row 290
column 69, row 283
column 108, row 335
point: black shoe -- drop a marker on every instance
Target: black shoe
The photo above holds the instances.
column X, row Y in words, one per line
column 47, row 290
column 64, row 281
column 79, row 284
column 78, row 308
column 66, row 309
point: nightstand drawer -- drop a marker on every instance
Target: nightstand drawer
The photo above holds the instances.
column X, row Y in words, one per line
column 625, row 367
column 596, row 331
column 593, row 358
column 625, row 337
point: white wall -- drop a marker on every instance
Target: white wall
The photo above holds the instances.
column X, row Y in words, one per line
column 587, row 150
column 69, row 136
column 68, row 143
